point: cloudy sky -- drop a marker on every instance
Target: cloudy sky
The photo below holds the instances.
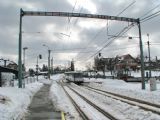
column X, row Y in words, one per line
column 76, row 38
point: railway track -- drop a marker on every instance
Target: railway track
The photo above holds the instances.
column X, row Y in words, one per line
column 147, row 106
column 80, row 111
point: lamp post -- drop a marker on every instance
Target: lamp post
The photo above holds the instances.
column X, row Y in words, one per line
column 49, row 52
column 40, row 57
column 5, row 62
column 149, row 56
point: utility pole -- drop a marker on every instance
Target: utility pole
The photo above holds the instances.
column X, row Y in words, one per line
column 49, row 52
column 40, row 57
column 0, row 79
column 49, row 60
column 52, row 65
column 37, row 68
column 20, row 52
column 141, row 54
column 148, row 43
column 5, row 63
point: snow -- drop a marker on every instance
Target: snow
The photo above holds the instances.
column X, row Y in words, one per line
column 129, row 89
column 60, row 100
column 90, row 111
column 14, row 101
column 117, row 108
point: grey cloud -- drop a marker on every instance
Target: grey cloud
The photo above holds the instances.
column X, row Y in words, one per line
column 9, row 21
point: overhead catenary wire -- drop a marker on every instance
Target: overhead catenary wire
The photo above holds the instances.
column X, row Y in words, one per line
column 126, row 8
column 150, row 11
column 151, row 16
column 111, row 39
column 123, row 31
column 101, row 30
column 142, row 20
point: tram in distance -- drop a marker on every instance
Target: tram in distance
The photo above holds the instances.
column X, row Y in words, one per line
column 74, row 76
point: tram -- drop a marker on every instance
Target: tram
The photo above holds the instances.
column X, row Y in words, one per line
column 74, row 76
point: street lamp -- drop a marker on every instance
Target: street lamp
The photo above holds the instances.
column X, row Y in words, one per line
column 49, row 52
column 149, row 56
column 40, row 57
column 5, row 61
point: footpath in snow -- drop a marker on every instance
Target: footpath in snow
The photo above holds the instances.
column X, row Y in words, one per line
column 41, row 107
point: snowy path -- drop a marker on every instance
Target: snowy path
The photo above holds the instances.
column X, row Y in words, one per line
column 41, row 106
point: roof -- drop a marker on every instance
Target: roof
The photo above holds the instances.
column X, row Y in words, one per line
column 73, row 72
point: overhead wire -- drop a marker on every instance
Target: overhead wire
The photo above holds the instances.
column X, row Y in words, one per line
column 126, row 8
column 150, row 11
column 142, row 20
column 69, row 20
column 108, row 23
column 123, row 31
column 150, row 16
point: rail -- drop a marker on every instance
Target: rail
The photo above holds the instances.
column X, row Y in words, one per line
column 155, row 108
column 108, row 115
column 82, row 114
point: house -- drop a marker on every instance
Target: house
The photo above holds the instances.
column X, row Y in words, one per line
column 126, row 62
column 12, row 66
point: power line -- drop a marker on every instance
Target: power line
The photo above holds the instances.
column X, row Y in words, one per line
column 126, row 8
column 123, row 31
column 101, row 30
column 69, row 21
column 150, row 10
column 142, row 20
column 151, row 16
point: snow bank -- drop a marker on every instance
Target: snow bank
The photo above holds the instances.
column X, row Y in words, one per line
column 14, row 101
column 129, row 89
column 57, row 77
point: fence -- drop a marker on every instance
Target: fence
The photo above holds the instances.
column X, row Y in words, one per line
column 14, row 82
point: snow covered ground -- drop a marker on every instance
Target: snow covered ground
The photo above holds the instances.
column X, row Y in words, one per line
column 112, row 85
column 128, row 89
column 120, row 110
column 60, row 100
column 14, row 101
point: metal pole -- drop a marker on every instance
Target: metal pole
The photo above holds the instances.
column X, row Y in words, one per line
column 20, row 52
column 49, row 51
column 150, row 74
column 52, row 65
column 5, row 63
column 23, row 65
column 141, row 54
column 24, row 57
column 0, row 79
column 37, row 68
